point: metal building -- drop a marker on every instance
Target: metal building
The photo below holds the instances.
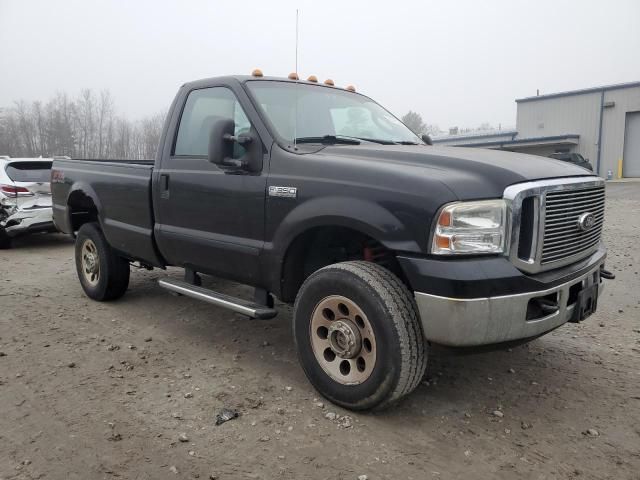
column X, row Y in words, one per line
column 601, row 123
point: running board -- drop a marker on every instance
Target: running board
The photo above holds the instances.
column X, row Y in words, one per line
column 238, row 305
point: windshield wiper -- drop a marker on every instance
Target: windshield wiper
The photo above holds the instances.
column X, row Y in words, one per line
column 347, row 140
column 377, row 140
column 329, row 140
column 385, row 142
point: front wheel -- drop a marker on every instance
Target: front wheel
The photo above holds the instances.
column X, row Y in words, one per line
column 358, row 335
column 103, row 274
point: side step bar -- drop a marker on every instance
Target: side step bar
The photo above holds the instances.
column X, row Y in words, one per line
column 238, row 305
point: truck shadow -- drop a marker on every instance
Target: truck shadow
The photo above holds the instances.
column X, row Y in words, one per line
column 40, row 241
column 525, row 382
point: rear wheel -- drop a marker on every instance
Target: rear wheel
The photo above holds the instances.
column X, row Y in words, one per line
column 358, row 335
column 5, row 240
column 103, row 274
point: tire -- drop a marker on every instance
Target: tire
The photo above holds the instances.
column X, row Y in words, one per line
column 103, row 274
column 379, row 309
column 5, row 240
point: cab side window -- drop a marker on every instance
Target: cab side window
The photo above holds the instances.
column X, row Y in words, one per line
column 202, row 108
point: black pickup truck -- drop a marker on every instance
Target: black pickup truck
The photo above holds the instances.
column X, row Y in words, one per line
column 318, row 196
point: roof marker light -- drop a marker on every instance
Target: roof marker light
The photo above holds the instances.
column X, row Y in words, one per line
column 351, row 88
column 293, row 76
column 256, row 73
column 312, row 78
column 329, row 82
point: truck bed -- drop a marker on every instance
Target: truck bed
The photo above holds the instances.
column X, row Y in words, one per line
column 120, row 191
column 116, row 161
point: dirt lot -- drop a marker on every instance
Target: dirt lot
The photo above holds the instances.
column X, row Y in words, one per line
column 90, row 390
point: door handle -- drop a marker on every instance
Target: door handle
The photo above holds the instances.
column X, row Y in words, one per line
column 164, row 185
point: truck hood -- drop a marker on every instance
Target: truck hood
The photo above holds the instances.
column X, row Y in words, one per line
column 468, row 172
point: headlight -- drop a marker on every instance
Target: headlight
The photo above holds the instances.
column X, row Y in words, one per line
column 471, row 228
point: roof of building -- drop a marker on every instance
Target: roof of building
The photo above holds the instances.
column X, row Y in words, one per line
column 583, row 91
column 552, row 139
column 476, row 135
column 568, row 138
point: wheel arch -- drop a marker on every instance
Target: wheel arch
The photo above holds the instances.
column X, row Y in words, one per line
column 83, row 206
column 361, row 218
column 367, row 217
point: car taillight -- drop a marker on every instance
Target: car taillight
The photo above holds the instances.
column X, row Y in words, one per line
column 15, row 191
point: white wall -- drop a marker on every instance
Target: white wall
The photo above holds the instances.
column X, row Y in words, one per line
column 560, row 116
column 574, row 114
column 626, row 100
column 581, row 114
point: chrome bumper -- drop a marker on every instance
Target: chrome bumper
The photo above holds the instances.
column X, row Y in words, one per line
column 484, row 321
column 27, row 220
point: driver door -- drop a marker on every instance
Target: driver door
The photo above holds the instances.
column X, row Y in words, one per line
column 209, row 219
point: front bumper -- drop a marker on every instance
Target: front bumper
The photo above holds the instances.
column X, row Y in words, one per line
column 467, row 322
column 23, row 221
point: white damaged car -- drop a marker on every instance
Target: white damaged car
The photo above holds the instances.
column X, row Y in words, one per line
column 25, row 197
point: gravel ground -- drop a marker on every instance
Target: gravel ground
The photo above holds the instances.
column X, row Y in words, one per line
column 130, row 389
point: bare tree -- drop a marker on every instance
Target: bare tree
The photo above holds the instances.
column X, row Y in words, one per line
column 86, row 127
column 414, row 121
column 26, row 129
column 122, row 139
column 9, row 141
column 85, row 121
column 61, row 131
column 483, row 127
column 433, row 130
column 151, row 131
column 105, row 122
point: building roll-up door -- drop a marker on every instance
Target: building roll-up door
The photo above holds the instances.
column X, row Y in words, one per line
column 631, row 159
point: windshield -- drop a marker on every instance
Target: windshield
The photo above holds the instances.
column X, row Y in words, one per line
column 39, row 172
column 323, row 111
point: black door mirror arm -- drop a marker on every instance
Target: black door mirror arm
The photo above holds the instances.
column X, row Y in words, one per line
column 233, row 163
column 239, row 139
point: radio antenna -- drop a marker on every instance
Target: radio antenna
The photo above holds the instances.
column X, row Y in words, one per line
column 295, row 120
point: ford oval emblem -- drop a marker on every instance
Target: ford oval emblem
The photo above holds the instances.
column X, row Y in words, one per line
column 586, row 221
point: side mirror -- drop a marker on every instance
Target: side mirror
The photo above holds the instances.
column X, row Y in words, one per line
column 221, row 149
column 427, row 139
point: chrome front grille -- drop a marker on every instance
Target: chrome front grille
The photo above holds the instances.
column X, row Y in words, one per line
column 562, row 235
column 549, row 224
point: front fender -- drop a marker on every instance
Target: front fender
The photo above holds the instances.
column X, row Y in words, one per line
column 366, row 217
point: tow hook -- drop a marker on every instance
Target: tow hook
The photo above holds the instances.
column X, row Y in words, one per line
column 547, row 306
column 606, row 274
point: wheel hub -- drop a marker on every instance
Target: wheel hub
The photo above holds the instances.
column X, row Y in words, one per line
column 90, row 262
column 344, row 338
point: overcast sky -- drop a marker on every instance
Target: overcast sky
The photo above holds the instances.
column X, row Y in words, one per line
column 456, row 63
